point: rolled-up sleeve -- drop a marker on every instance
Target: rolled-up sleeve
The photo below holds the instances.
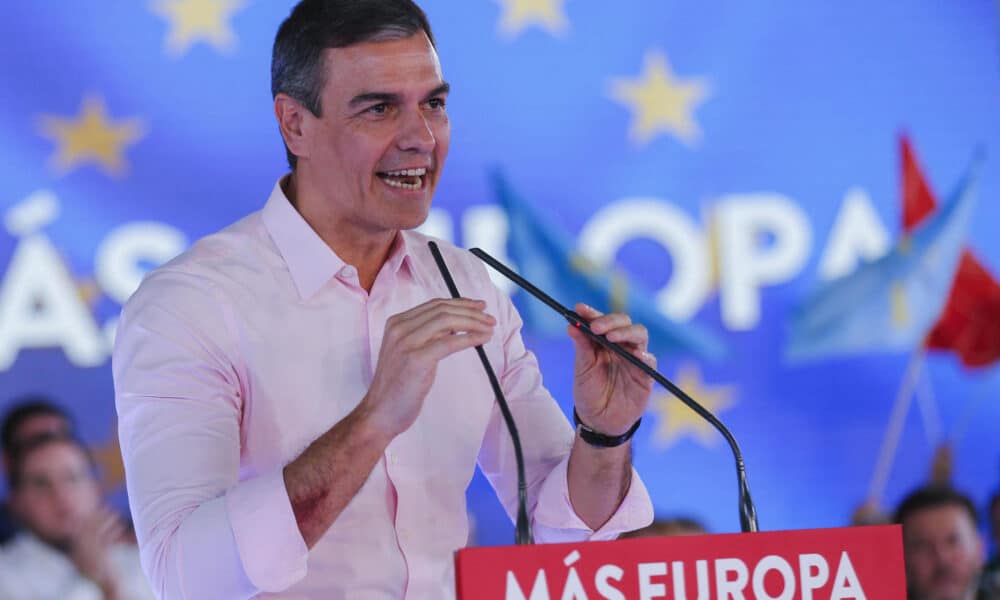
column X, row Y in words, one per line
column 547, row 439
column 204, row 530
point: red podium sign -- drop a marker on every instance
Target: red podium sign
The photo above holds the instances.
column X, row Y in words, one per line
column 857, row 563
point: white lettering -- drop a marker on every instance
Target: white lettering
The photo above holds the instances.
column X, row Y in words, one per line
column 631, row 218
column 647, row 589
column 129, row 251
column 539, row 591
column 680, row 592
column 813, row 572
column 573, row 588
column 730, row 588
column 32, row 214
column 41, row 307
column 773, row 563
column 845, row 582
column 857, row 234
column 602, row 582
column 763, row 239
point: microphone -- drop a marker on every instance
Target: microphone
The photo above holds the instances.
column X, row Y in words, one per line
column 523, row 527
column 748, row 512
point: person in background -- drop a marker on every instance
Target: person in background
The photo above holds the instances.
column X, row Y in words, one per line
column 28, row 417
column 870, row 512
column 668, row 527
column 942, row 549
column 991, row 574
column 71, row 546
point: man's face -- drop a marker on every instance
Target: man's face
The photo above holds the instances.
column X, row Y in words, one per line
column 376, row 154
column 36, row 425
column 943, row 553
column 57, row 490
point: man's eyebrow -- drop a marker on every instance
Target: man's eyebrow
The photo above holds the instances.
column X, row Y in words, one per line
column 377, row 97
column 391, row 98
column 440, row 90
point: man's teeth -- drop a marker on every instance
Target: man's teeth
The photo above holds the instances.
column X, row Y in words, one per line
column 407, row 173
column 407, row 179
column 405, row 186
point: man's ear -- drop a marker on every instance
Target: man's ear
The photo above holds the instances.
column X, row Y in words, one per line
column 291, row 120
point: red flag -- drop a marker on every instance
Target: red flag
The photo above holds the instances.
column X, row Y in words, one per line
column 969, row 325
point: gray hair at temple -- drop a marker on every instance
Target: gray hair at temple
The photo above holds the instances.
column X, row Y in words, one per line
column 316, row 25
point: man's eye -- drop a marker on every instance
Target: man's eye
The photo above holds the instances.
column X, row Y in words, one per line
column 379, row 109
column 436, row 103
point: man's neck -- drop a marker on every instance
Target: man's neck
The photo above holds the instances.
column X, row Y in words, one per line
column 366, row 251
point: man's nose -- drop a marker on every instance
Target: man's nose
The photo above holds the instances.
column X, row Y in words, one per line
column 417, row 134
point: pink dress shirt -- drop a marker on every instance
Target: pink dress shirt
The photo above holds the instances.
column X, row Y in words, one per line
column 232, row 358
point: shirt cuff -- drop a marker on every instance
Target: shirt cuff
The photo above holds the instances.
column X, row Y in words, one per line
column 267, row 535
column 555, row 521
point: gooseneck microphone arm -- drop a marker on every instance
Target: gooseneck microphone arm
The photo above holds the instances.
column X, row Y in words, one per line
column 748, row 512
column 523, row 527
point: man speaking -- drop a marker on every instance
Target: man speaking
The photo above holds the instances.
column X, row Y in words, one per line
column 300, row 409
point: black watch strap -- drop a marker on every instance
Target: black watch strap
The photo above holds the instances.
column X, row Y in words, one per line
column 600, row 440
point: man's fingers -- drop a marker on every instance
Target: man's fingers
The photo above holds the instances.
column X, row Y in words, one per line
column 446, row 323
column 445, row 346
column 635, row 335
column 421, row 310
column 601, row 323
column 608, row 323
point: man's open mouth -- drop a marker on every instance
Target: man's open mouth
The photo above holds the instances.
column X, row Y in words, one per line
column 407, row 179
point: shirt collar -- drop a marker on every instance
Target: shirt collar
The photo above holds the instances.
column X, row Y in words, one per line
column 407, row 248
column 310, row 260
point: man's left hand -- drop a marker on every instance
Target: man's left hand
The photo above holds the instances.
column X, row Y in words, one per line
column 610, row 394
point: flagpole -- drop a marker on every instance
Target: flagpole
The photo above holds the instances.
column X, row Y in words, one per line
column 893, row 431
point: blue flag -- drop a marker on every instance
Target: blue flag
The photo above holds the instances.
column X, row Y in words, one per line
column 889, row 304
column 546, row 257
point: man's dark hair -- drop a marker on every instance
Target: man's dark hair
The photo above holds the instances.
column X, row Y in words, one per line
column 934, row 496
column 22, row 410
column 316, row 25
column 22, row 451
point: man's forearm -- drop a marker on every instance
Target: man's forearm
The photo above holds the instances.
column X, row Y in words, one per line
column 328, row 474
column 598, row 480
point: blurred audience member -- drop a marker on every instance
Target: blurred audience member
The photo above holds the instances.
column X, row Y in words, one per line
column 941, row 546
column 27, row 418
column 668, row 527
column 942, row 468
column 71, row 545
column 991, row 575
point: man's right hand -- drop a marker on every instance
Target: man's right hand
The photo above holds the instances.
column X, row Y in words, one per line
column 91, row 546
column 413, row 344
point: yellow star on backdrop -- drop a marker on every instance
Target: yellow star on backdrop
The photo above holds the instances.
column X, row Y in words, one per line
column 518, row 15
column 675, row 419
column 91, row 137
column 194, row 21
column 661, row 102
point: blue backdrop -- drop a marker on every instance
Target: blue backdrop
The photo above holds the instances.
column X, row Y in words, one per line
column 728, row 157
